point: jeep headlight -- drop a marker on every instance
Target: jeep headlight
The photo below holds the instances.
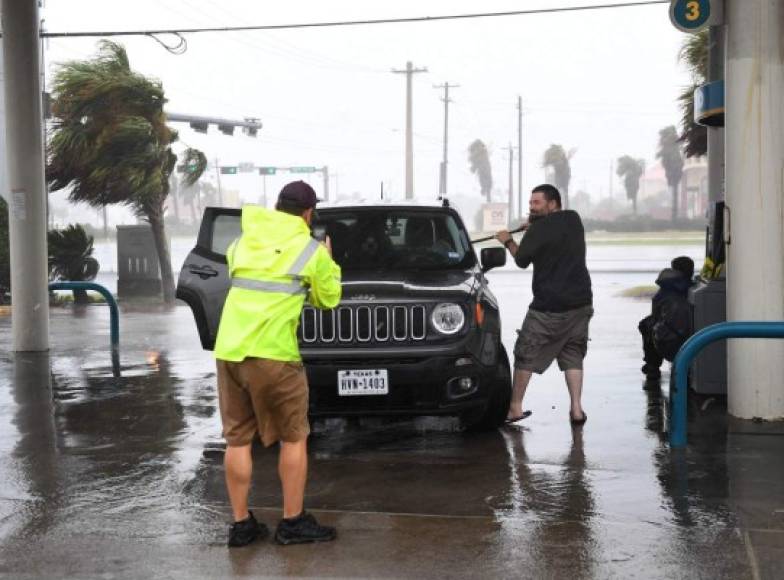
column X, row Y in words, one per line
column 448, row 318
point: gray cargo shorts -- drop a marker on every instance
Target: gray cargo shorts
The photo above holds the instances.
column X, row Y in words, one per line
column 546, row 336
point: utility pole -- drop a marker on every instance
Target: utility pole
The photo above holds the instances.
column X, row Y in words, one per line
column 410, row 71
column 511, row 150
column 443, row 170
column 26, row 183
column 325, row 171
column 519, row 158
column 217, row 176
column 612, row 178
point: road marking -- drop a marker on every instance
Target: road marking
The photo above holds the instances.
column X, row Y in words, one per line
column 752, row 557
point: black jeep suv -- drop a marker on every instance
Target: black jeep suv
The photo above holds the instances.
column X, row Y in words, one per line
column 417, row 331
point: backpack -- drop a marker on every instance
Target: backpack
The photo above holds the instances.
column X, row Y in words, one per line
column 673, row 327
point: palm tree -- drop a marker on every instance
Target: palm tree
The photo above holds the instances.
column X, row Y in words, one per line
column 71, row 258
column 559, row 161
column 110, row 142
column 672, row 160
column 694, row 54
column 631, row 170
column 193, row 166
column 479, row 162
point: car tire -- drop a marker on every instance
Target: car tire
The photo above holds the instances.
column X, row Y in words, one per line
column 494, row 414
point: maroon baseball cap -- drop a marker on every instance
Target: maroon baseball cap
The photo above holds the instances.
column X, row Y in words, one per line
column 298, row 193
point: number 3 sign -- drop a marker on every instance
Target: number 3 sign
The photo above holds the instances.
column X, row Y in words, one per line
column 694, row 15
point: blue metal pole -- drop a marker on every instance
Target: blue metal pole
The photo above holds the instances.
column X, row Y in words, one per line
column 691, row 348
column 114, row 314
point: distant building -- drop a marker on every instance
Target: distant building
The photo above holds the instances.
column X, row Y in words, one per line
column 655, row 197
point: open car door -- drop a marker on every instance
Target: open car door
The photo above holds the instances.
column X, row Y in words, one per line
column 204, row 279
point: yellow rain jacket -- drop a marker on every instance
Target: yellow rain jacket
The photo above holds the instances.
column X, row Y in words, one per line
column 274, row 266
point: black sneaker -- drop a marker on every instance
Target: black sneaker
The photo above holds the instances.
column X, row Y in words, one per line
column 302, row 530
column 246, row 531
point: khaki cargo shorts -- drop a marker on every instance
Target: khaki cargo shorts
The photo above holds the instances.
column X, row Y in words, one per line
column 263, row 396
column 546, row 336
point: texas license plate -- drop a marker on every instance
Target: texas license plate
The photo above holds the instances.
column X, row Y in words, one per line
column 363, row 382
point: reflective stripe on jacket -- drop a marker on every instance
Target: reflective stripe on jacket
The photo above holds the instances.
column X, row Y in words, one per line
column 274, row 266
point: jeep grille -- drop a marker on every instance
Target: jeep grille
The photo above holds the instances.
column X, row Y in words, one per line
column 363, row 324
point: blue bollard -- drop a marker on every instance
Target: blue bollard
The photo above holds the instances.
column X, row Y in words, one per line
column 690, row 349
column 114, row 315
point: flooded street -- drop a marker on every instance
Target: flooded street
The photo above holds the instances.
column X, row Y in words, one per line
column 104, row 477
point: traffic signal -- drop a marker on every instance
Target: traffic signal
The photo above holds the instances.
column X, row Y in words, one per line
column 267, row 170
column 228, row 170
column 199, row 126
column 302, row 169
column 226, row 129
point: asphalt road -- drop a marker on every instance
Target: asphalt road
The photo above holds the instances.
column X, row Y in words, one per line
column 104, row 477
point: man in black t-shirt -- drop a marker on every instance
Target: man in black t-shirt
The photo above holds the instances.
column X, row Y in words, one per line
column 556, row 325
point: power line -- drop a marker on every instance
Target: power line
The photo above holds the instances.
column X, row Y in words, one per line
column 337, row 23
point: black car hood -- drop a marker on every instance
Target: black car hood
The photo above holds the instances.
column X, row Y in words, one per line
column 380, row 285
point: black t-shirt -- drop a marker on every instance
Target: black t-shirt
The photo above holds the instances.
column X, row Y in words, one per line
column 556, row 246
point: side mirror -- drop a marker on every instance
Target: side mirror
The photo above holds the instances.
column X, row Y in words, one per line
column 492, row 258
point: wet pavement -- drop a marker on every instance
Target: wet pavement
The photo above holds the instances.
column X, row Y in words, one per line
column 104, row 477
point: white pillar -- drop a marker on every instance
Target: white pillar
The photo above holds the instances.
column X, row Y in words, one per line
column 3, row 170
column 25, row 179
column 755, row 188
column 716, row 163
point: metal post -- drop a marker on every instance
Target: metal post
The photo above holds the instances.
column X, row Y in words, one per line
column 325, row 171
column 114, row 315
column 755, row 198
column 25, row 157
column 678, row 428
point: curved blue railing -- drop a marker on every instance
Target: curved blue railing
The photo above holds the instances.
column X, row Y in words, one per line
column 691, row 348
column 114, row 315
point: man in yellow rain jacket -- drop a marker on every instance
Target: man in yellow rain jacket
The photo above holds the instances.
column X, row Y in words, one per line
column 262, row 387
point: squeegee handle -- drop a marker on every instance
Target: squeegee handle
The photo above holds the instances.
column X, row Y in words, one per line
column 515, row 231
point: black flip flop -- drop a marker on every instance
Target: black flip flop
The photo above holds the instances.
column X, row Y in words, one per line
column 511, row 420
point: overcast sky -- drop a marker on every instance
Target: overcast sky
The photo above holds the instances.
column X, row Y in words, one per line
column 601, row 82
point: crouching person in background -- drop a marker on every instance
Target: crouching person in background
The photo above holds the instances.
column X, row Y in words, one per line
column 669, row 325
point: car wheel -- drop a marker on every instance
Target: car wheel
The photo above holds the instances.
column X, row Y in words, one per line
column 494, row 414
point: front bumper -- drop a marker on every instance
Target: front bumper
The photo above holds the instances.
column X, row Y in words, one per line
column 424, row 385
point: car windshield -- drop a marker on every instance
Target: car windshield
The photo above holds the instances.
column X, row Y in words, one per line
column 397, row 239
